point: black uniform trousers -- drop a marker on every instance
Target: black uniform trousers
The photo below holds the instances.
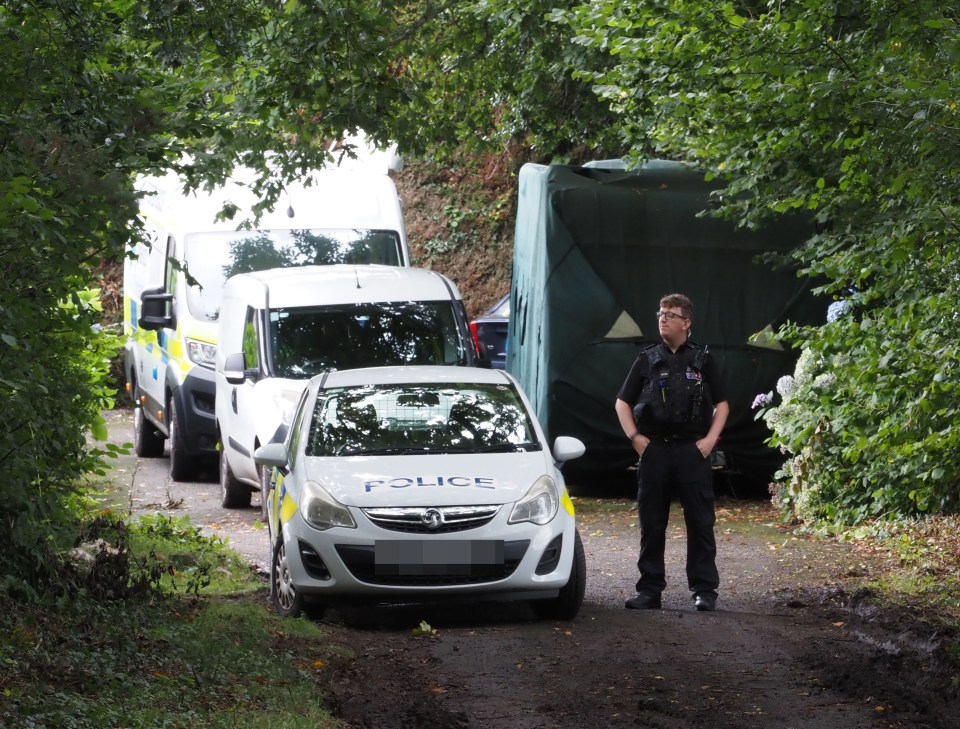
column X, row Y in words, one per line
column 667, row 469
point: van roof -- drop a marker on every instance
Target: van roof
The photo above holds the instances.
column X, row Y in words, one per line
column 344, row 283
column 333, row 199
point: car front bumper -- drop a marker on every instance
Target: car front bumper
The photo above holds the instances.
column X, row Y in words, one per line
column 373, row 564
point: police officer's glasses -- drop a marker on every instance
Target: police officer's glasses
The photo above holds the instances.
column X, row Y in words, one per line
column 669, row 315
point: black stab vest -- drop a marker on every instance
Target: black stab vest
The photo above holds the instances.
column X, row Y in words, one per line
column 675, row 400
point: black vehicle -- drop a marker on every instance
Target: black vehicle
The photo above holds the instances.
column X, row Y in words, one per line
column 490, row 332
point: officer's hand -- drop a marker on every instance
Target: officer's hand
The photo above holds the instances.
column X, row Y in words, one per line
column 705, row 446
column 640, row 443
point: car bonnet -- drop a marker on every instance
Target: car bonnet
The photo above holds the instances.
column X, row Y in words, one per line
column 422, row 480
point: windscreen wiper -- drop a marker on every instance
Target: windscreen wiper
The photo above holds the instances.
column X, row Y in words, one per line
column 392, row 451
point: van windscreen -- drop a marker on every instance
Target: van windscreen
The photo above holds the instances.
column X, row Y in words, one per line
column 306, row 341
column 215, row 256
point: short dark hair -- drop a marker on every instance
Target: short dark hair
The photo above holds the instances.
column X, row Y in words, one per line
column 677, row 301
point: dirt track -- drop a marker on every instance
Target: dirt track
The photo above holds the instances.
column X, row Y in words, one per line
column 792, row 644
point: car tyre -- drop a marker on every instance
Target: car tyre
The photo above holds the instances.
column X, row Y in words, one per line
column 182, row 466
column 234, row 494
column 147, row 440
column 567, row 604
column 284, row 595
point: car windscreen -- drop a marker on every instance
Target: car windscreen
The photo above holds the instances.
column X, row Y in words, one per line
column 306, row 341
column 420, row 418
column 213, row 257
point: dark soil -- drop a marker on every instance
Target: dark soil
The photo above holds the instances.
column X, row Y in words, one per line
column 794, row 643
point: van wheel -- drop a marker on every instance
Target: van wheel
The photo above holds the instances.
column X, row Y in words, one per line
column 147, row 441
column 182, row 466
column 233, row 493
column 566, row 605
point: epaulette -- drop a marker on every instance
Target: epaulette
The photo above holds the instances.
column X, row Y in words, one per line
column 702, row 353
column 654, row 355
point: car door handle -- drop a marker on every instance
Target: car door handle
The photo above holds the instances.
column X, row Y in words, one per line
column 233, row 399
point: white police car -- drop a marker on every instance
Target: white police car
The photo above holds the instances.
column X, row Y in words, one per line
column 407, row 484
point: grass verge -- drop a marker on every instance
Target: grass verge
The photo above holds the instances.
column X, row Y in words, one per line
column 192, row 644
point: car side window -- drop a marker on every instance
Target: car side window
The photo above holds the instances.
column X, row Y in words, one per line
column 296, row 431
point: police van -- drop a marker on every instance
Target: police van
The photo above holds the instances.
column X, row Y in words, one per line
column 173, row 285
column 278, row 328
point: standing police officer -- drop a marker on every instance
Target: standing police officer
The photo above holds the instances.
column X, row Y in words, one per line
column 673, row 407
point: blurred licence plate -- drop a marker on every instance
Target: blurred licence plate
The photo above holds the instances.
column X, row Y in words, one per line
column 425, row 557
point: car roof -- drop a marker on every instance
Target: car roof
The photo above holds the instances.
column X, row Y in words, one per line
column 491, row 312
column 429, row 374
column 343, row 283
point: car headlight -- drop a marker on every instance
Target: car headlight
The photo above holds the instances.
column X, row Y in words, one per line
column 539, row 505
column 201, row 353
column 321, row 511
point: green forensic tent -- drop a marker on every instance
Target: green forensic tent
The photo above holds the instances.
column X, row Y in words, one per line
column 595, row 249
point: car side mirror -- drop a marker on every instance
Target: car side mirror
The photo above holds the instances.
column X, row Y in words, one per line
column 273, row 455
column 566, row 448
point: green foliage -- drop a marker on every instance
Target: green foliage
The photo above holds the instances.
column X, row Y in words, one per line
column 54, row 384
column 846, row 112
column 172, row 555
column 214, row 663
column 867, row 442
column 154, row 634
column 493, row 75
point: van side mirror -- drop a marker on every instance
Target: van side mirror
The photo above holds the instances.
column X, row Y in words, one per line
column 234, row 371
column 153, row 310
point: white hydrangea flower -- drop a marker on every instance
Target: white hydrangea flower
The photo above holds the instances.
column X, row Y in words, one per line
column 806, row 365
column 825, row 381
column 786, row 386
column 773, row 419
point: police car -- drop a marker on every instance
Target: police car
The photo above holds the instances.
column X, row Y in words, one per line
column 414, row 484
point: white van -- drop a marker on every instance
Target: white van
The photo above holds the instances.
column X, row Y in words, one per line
column 173, row 285
column 280, row 327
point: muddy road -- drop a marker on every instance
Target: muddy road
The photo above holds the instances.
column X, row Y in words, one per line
column 794, row 641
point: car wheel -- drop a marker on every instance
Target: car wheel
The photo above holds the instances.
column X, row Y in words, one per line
column 567, row 604
column 265, row 474
column 234, row 494
column 147, row 441
column 283, row 593
column 182, row 466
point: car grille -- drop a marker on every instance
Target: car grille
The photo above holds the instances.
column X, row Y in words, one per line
column 361, row 561
column 431, row 520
